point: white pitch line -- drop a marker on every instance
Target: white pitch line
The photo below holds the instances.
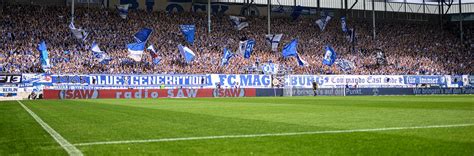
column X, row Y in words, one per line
column 268, row 134
column 70, row 149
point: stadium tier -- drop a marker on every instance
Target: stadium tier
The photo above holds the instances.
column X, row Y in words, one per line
column 236, row 77
column 406, row 48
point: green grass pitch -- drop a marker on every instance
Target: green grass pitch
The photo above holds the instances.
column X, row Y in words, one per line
column 81, row 122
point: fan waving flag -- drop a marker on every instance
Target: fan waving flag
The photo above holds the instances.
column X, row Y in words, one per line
column 290, row 49
column 239, row 23
column 329, row 56
column 246, row 47
column 273, row 40
column 226, row 58
column 98, row 54
column 323, row 22
column 78, row 33
column 154, row 54
column 143, row 34
column 45, row 64
column 187, row 53
column 188, row 32
column 135, row 51
column 123, row 10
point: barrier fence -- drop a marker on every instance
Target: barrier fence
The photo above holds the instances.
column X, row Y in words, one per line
column 242, row 92
column 71, row 86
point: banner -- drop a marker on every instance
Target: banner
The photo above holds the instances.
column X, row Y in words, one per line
column 10, row 78
column 148, row 93
column 425, row 79
column 331, row 81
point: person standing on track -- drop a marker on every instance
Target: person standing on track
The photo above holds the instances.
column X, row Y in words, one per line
column 315, row 88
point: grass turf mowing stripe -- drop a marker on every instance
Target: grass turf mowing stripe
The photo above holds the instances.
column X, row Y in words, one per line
column 70, row 149
column 270, row 134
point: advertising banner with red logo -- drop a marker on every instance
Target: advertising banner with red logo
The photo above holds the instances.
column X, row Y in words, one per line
column 148, row 93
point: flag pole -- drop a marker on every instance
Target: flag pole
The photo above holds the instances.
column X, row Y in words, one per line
column 72, row 11
column 209, row 16
column 268, row 16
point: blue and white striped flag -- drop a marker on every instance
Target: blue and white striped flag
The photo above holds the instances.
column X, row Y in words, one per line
column 123, row 10
column 246, row 48
column 226, row 57
column 273, row 40
column 323, row 22
column 99, row 55
column 135, row 50
column 187, row 53
column 154, row 54
column 239, row 23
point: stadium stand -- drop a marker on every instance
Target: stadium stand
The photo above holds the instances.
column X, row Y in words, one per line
column 411, row 48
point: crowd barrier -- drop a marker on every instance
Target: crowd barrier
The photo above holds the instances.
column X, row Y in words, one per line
column 148, row 93
column 243, row 92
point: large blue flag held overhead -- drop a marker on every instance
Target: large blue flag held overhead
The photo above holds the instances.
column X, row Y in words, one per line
column 227, row 56
column 135, row 50
column 143, row 34
column 187, row 53
column 123, row 10
column 99, row 55
column 188, row 32
column 323, row 22
column 45, row 64
column 246, row 48
column 329, row 56
column 291, row 50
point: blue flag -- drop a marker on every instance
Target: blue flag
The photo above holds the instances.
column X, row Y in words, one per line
column 45, row 64
column 135, row 50
column 123, row 10
column 187, row 53
column 290, row 49
column 226, row 58
column 246, row 48
column 98, row 54
column 188, row 32
column 329, row 56
column 296, row 12
column 343, row 24
column 143, row 34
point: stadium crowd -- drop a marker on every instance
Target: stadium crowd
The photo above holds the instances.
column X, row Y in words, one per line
column 410, row 48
